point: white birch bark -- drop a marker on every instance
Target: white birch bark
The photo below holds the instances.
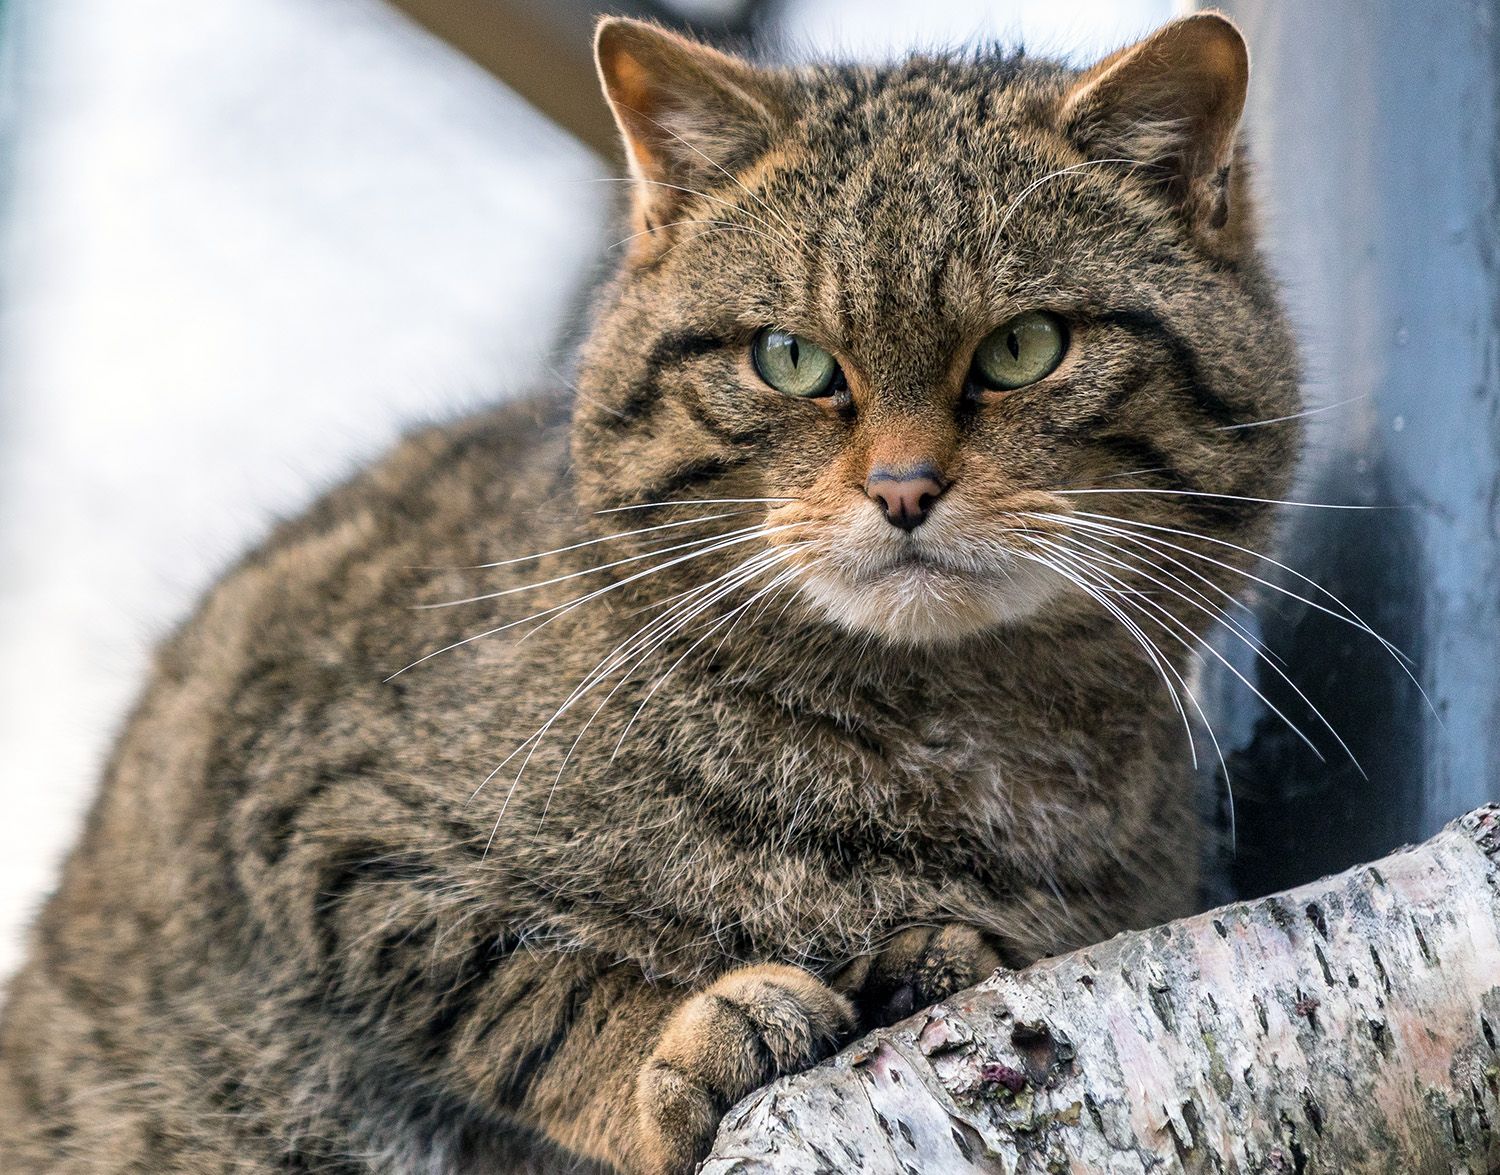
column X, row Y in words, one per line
column 1343, row 1027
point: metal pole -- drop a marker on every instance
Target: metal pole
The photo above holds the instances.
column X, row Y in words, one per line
column 1375, row 125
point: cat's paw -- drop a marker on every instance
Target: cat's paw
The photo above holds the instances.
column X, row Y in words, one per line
column 918, row 967
column 746, row 1028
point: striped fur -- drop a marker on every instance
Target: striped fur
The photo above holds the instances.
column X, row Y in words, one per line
column 311, row 926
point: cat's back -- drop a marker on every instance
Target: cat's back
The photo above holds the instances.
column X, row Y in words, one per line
column 276, row 686
column 327, row 608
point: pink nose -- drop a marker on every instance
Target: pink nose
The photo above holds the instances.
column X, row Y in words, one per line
column 905, row 495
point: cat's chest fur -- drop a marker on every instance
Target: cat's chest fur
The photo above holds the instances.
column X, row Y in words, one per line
column 807, row 824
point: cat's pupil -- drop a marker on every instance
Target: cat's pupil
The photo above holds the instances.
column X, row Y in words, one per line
column 1013, row 344
column 793, row 349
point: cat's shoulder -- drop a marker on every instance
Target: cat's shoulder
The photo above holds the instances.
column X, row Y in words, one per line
column 440, row 477
column 429, row 499
column 492, row 457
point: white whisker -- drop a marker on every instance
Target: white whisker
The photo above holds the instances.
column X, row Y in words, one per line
column 1347, row 616
column 1126, row 552
column 769, row 530
column 1223, row 497
column 582, row 687
column 691, row 502
column 1062, row 171
column 511, row 591
column 1205, row 645
column 1255, row 645
column 1159, row 659
column 1294, row 415
column 558, row 610
column 637, row 647
column 1154, row 656
column 733, row 615
column 609, row 538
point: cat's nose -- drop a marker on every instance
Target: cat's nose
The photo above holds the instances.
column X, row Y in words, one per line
column 906, row 495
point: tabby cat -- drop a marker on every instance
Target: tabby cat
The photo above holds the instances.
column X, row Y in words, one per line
column 904, row 471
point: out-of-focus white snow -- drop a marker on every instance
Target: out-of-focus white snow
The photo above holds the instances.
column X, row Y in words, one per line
column 247, row 242
column 1077, row 30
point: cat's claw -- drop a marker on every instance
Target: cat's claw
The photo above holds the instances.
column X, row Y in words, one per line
column 749, row 1026
column 918, row 967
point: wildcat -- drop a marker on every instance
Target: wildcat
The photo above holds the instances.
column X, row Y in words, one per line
column 858, row 581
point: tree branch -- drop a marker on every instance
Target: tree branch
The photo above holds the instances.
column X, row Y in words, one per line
column 1345, row 1026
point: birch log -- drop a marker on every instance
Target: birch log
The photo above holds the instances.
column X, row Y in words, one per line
column 1344, row 1027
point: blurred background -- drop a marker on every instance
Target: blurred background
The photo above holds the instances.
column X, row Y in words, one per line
column 244, row 244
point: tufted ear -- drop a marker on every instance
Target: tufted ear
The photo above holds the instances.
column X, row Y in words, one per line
column 689, row 115
column 1172, row 103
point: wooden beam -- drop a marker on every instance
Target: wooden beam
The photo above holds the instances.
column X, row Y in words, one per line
column 544, row 51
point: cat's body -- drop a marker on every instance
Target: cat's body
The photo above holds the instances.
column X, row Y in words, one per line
column 269, row 751
column 313, row 926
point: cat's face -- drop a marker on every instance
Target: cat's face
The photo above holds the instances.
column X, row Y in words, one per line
column 919, row 307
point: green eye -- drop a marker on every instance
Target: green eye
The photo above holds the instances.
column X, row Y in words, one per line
column 1021, row 351
column 790, row 364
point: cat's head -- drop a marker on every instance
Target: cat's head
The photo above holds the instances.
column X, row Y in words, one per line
column 911, row 310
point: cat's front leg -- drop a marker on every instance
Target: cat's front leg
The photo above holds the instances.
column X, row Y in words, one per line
column 748, row 1027
column 918, row 967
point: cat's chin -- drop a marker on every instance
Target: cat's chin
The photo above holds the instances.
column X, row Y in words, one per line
column 925, row 604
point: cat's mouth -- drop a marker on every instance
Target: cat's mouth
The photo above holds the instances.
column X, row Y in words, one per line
column 918, row 564
column 961, row 570
column 916, row 593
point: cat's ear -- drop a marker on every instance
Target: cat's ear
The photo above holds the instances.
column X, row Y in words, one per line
column 1172, row 104
column 690, row 116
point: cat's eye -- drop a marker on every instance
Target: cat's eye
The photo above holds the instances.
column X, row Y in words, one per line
column 1019, row 352
column 791, row 364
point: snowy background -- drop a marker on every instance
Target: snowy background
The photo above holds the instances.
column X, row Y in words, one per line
column 244, row 244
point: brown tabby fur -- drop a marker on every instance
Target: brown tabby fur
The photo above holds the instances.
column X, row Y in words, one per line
column 298, row 935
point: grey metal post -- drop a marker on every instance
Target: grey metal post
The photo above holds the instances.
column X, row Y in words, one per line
column 1376, row 127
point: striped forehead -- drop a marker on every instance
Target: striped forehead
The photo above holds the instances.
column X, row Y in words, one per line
column 897, row 244
column 894, row 174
